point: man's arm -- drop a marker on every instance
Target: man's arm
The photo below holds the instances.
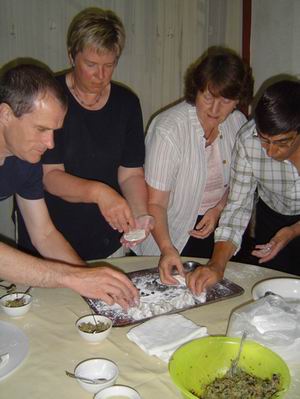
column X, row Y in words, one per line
column 112, row 205
column 104, row 283
column 43, row 234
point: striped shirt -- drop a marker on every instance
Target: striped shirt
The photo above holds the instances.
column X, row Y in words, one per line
column 176, row 162
column 277, row 183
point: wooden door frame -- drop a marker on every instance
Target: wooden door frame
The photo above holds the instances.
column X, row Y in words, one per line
column 247, row 13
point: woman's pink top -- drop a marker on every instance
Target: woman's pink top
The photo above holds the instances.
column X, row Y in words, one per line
column 214, row 187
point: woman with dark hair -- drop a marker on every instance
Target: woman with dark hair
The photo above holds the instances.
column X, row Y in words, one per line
column 188, row 156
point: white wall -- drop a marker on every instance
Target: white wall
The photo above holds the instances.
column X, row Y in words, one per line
column 163, row 38
column 275, row 38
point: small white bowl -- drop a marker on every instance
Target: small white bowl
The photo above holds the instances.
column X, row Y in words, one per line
column 96, row 336
column 118, row 391
column 288, row 288
column 16, row 311
column 97, row 368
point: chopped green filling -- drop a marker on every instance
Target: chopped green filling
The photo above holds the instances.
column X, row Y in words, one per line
column 241, row 386
column 93, row 328
column 15, row 303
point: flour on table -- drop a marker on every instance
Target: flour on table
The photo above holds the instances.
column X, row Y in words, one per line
column 244, row 273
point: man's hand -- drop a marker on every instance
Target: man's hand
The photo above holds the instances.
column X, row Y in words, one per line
column 268, row 251
column 207, row 224
column 105, row 283
column 115, row 210
column 170, row 260
column 202, row 278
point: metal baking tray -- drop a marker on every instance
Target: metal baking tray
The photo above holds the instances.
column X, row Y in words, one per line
column 150, row 286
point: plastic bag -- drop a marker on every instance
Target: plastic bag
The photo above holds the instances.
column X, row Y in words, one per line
column 271, row 321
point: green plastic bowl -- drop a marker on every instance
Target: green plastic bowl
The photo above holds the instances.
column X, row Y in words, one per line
column 199, row 362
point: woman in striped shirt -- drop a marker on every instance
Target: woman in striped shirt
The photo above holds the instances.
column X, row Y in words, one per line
column 188, row 155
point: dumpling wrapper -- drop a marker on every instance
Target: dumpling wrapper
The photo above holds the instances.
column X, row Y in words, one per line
column 200, row 298
column 135, row 235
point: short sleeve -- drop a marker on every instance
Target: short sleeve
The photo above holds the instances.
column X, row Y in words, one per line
column 32, row 187
column 133, row 154
column 162, row 158
column 55, row 155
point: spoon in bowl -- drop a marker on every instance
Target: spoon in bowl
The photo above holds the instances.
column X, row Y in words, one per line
column 19, row 299
column 87, row 380
column 93, row 314
column 27, row 291
column 234, row 365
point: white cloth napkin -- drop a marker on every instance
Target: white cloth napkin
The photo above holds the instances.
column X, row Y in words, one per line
column 162, row 335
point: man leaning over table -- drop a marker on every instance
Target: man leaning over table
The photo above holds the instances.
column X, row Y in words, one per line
column 267, row 158
column 32, row 106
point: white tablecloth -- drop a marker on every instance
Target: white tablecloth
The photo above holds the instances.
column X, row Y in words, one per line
column 55, row 345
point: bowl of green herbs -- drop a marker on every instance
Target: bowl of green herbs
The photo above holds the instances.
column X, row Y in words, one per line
column 94, row 328
column 16, row 304
column 201, row 370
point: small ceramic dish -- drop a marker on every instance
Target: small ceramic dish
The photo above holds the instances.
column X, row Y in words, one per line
column 91, row 331
column 16, row 304
column 288, row 288
column 96, row 368
column 118, row 391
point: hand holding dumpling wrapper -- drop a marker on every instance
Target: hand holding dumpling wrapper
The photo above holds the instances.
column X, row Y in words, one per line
column 144, row 224
column 135, row 235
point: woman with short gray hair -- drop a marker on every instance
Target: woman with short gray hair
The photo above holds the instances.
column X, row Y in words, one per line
column 94, row 178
